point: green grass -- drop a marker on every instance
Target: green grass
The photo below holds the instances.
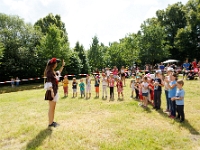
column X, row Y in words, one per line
column 95, row 124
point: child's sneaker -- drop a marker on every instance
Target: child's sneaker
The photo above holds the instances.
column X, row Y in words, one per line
column 140, row 104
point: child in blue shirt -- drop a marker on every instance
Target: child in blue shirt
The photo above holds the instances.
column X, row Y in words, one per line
column 172, row 93
column 82, row 88
column 180, row 101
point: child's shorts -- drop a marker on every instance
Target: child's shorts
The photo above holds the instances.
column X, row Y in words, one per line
column 145, row 94
column 74, row 90
column 65, row 89
column 82, row 92
column 97, row 89
column 88, row 89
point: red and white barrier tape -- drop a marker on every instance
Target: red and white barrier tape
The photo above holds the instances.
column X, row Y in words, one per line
column 29, row 79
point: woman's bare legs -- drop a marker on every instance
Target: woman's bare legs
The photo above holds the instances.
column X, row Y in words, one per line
column 52, row 106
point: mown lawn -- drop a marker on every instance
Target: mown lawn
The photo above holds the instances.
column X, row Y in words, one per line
column 95, row 124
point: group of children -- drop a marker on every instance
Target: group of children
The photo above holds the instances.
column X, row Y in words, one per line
column 146, row 88
column 85, row 87
column 149, row 89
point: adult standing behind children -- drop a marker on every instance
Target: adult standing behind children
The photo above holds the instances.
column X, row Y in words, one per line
column 158, row 83
column 52, row 88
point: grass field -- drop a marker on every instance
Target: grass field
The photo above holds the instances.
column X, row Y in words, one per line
column 95, row 124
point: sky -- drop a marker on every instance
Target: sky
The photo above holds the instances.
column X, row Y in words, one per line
column 109, row 20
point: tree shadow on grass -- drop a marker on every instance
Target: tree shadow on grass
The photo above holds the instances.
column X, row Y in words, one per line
column 184, row 124
column 37, row 141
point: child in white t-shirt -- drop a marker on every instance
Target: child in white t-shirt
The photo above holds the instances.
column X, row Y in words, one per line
column 104, row 86
column 145, row 91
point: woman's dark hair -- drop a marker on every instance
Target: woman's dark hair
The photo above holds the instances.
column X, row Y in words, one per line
column 49, row 67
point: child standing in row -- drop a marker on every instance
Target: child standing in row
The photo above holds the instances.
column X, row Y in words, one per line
column 119, row 88
column 88, row 86
column 132, row 86
column 145, row 91
column 74, row 87
column 82, row 88
column 172, row 93
column 65, row 86
column 180, row 101
column 137, row 84
column 97, row 82
column 158, row 84
column 104, row 86
column 111, row 82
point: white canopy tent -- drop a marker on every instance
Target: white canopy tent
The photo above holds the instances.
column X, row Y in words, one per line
column 170, row 61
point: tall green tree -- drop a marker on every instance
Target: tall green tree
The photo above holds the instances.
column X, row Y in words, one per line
column 19, row 42
column 74, row 66
column 44, row 23
column 193, row 25
column 95, row 55
column 53, row 45
column 151, row 44
column 172, row 19
column 79, row 49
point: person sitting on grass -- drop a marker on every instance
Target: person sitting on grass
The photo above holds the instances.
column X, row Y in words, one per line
column 179, row 98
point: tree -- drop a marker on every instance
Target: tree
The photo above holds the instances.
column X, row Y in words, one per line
column 172, row 19
column 95, row 54
column 151, row 44
column 79, row 49
column 53, row 45
column 44, row 23
column 19, row 41
column 193, row 20
column 74, row 66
